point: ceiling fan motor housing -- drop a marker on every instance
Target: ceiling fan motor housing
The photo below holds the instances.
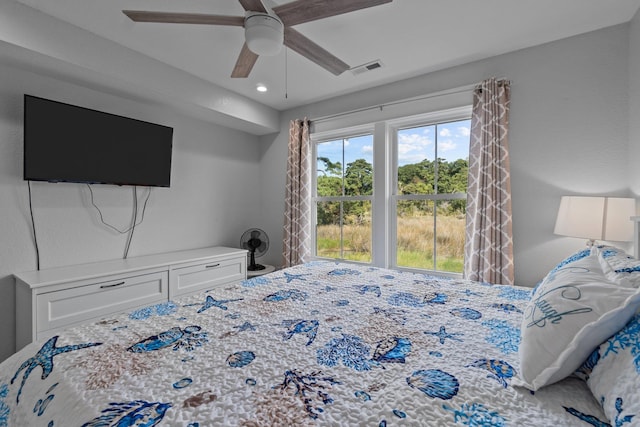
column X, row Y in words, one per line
column 264, row 33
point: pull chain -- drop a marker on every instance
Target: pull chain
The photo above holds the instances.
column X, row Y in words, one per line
column 286, row 76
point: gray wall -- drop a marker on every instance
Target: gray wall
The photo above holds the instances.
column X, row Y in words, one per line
column 211, row 200
column 568, row 135
column 634, row 105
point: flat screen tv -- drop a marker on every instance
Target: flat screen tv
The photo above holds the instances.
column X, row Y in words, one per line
column 67, row 143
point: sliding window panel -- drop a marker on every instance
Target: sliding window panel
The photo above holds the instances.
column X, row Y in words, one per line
column 415, row 234
column 356, row 230
column 450, row 235
column 329, row 229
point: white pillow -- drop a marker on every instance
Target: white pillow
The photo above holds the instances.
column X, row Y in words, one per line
column 572, row 312
column 619, row 267
column 613, row 374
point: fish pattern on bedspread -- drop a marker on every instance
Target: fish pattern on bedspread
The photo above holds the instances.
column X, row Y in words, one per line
column 319, row 344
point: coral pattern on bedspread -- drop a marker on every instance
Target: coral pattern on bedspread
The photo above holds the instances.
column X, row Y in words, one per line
column 319, row 344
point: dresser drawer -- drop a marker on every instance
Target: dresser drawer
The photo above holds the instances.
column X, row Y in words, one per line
column 203, row 276
column 87, row 300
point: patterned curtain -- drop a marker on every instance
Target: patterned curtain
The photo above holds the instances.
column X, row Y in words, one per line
column 295, row 246
column 489, row 244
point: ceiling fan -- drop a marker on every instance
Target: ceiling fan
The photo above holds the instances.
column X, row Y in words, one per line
column 267, row 29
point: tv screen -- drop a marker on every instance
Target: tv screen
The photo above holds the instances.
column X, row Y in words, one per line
column 67, row 143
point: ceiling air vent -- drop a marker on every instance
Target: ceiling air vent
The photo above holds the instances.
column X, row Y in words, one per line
column 364, row 68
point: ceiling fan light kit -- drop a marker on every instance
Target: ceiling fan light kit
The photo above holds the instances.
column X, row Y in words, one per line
column 263, row 33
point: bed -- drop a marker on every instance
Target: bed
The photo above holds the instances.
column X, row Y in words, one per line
column 329, row 343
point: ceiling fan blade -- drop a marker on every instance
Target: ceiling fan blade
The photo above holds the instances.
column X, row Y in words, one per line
column 183, row 18
column 244, row 64
column 300, row 11
column 253, row 5
column 305, row 47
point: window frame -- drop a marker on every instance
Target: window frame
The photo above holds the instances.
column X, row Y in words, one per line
column 319, row 138
column 394, row 126
column 385, row 185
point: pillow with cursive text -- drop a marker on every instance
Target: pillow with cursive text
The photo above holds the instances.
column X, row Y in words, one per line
column 573, row 311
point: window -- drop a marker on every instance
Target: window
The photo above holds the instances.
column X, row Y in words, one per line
column 344, row 190
column 430, row 195
column 393, row 193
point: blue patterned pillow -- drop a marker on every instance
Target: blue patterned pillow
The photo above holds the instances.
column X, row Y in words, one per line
column 572, row 312
column 613, row 375
column 619, row 267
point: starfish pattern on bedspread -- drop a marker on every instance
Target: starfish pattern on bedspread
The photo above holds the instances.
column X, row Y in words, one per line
column 442, row 335
column 246, row 326
column 291, row 277
column 212, row 302
column 44, row 359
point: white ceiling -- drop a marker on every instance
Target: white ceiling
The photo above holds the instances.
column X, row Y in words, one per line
column 410, row 37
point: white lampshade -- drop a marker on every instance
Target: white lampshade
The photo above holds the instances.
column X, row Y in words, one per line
column 263, row 33
column 596, row 218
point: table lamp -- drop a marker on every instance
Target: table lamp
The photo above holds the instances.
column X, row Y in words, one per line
column 596, row 218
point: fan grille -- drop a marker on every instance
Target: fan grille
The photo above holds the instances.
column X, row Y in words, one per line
column 256, row 242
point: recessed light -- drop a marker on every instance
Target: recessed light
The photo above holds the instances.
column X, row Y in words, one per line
column 261, row 87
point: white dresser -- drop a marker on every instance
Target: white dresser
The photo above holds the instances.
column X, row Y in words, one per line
column 53, row 299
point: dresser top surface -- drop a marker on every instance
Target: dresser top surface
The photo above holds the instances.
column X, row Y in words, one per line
column 52, row 276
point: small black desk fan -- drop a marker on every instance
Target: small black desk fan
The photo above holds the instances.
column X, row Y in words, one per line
column 256, row 242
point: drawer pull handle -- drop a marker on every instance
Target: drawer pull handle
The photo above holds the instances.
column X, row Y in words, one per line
column 212, row 265
column 112, row 285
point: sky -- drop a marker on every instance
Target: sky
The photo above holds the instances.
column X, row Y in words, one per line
column 414, row 144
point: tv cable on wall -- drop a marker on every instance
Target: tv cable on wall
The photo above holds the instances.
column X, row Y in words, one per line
column 134, row 224
column 33, row 226
column 129, row 230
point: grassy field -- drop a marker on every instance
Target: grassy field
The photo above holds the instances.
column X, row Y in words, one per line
column 415, row 242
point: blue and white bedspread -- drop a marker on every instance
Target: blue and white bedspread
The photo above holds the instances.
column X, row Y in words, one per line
column 320, row 344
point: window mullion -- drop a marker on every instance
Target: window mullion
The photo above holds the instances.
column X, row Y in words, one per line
column 442, row 196
column 436, row 169
column 380, row 235
column 341, row 230
column 435, row 236
column 344, row 193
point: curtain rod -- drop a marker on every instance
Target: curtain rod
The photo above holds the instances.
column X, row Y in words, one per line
column 445, row 92
column 399, row 102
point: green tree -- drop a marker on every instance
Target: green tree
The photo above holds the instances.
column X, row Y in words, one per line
column 329, row 186
column 330, row 168
column 358, row 178
column 329, row 183
column 415, row 178
column 328, row 213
